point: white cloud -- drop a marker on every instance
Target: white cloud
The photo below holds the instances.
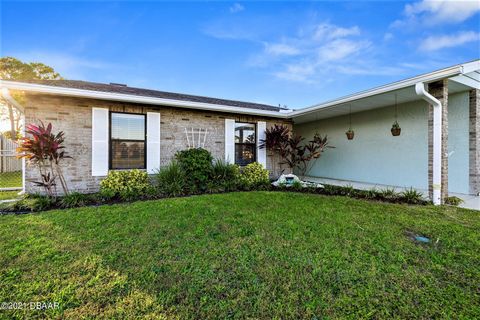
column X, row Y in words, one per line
column 300, row 72
column 340, row 49
column 433, row 43
column 329, row 31
column 433, row 12
column 69, row 66
column 236, row 7
column 388, row 36
column 280, row 49
column 310, row 54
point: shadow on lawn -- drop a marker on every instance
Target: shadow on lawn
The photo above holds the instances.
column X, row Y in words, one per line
column 58, row 268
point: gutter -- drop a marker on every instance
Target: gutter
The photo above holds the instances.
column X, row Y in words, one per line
column 6, row 95
column 71, row 92
column 437, row 140
column 425, row 78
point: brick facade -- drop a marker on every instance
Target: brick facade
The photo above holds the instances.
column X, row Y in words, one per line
column 74, row 117
column 474, row 143
column 439, row 90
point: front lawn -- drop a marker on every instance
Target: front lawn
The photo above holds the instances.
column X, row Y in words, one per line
column 11, row 179
column 243, row 255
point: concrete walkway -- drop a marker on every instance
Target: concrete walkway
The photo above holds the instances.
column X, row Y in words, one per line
column 470, row 201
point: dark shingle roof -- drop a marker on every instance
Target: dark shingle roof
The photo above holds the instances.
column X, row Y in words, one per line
column 123, row 89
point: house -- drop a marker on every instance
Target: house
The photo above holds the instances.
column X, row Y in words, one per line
column 114, row 126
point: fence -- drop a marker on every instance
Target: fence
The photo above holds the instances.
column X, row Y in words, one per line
column 10, row 166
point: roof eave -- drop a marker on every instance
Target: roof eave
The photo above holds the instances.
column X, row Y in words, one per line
column 110, row 96
column 426, row 78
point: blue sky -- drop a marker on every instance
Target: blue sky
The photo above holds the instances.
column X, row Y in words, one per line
column 290, row 53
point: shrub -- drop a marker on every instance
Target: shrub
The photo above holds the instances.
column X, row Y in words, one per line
column 297, row 186
column 75, row 199
column 45, row 150
column 224, row 177
column 254, row 175
column 453, row 201
column 197, row 165
column 32, row 203
column 128, row 184
column 171, row 180
column 412, row 196
column 389, row 194
column 369, row 194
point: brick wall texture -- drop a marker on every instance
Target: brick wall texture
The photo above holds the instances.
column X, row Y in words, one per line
column 474, row 144
column 74, row 117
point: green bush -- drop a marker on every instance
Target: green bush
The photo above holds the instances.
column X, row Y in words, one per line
column 224, row 177
column 389, row 194
column 126, row 184
column 75, row 199
column 255, row 176
column 412, row 196
column 33, row 203
column 453, row 201
column 171, row 180
column 197, row 165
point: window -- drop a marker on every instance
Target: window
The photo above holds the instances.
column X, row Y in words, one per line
column 245, row 143
column 127, row 141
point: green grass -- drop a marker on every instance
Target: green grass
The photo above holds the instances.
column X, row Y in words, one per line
column 11, row 179
column 243, row 255
column 5, row 195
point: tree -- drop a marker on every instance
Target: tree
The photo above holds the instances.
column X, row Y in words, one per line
column 14, row 69
column 292, row 149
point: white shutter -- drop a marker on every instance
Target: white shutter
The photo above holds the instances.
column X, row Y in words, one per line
column 229, row 140
column 153, row 142
column 261, row 153
column 99, row 142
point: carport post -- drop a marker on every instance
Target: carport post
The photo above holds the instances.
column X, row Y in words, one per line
column 437, row 141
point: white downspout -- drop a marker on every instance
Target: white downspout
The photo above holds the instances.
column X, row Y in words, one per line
column 437, row 140
column 6, row 95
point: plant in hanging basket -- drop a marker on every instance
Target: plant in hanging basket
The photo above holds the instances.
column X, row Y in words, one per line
column 396, row 130
column 350, row 134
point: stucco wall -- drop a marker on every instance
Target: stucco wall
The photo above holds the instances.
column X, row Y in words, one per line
column 375, row 156
column 458, row 143
column 74, row 117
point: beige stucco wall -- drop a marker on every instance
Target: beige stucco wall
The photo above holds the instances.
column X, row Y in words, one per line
column 74, row 117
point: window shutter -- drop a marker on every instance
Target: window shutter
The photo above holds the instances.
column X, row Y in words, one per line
column 99, row 142
column 229, row 140
column 153, row 142
column 261, row 153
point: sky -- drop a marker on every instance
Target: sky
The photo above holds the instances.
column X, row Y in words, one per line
column 295, row 54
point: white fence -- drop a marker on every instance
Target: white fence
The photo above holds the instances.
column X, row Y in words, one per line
column 8, row 160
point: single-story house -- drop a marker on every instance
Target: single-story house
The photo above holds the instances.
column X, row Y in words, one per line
column 114, row 126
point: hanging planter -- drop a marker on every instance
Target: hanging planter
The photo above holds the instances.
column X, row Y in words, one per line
column 396, row 130
column 350, row 134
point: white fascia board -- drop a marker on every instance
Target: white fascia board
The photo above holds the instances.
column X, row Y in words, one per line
column 425, row 78
column 72, row 92
column 467, row 81
column 471, row 66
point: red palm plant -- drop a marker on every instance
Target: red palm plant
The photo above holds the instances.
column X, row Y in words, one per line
column 291, row 148
column 45, row 150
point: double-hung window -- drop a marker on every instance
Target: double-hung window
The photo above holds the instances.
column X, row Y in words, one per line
column 127, row 137
column 245, row 143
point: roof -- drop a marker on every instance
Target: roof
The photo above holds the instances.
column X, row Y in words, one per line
column 461, row 77
column 124, row 89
